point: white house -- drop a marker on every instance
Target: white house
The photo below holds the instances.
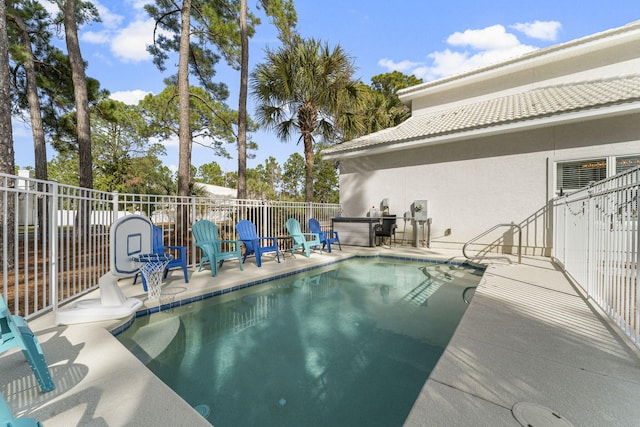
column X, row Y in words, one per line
column 496, row 144
column 218, row 192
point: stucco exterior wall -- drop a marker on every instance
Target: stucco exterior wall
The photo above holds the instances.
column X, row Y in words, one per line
column 475, row 184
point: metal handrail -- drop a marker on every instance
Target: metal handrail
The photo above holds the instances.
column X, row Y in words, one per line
column 464, row 248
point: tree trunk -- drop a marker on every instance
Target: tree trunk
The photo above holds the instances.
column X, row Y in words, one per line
column 7, row 155
column 83, row 127
column 80, row 92
column 184, row 133
column 35, row 114
column 308, row 166
column 242, row 107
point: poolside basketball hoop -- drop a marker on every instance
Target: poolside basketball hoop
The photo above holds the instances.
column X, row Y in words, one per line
column 131, row 235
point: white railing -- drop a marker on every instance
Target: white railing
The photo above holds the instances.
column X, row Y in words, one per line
column 596, row 239
column 54, row 238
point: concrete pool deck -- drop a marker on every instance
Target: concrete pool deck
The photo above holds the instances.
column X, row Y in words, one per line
column 528, row 336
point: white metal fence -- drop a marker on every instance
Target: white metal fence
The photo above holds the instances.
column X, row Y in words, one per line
column 54, row 238
column 596, row 238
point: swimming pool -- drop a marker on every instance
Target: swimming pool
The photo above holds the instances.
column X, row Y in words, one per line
column 350, row 344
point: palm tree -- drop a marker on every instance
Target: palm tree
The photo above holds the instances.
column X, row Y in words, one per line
column 306, row 87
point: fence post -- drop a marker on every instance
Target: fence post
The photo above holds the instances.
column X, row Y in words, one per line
column 590, row 236
column 636, row 248
column 54, row 231
column 194, row 218
column 311, row 214
column 265, row 220
column 565, row 230
column 115, row 206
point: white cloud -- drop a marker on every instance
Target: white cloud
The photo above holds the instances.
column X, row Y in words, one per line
column 472, row 49
column 109, row 20
column 127, row 43
column 444, row 63
column 490, row 38
column 130, row 97
column 447, row 62
column 139, row 4
column 95, row 37
column 397, row 66
column 542, row 30
column 130, row 43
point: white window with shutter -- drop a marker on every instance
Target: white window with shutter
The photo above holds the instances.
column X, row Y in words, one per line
column 574, row 175
column 626, row 163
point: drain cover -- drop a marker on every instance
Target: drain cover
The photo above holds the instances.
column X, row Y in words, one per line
column 532, row 415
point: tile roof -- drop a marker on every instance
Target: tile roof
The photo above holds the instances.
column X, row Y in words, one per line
column 534, row 104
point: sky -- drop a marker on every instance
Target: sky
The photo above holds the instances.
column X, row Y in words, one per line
column 426, row 38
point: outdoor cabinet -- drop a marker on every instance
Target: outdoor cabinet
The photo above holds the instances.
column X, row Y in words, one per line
column 355, row 231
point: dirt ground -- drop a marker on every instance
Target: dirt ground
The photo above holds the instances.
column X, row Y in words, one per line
column 30, row 280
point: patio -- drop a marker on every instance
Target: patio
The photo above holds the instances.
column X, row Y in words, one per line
column 528, row 336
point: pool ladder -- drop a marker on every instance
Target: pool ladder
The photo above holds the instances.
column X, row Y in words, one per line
column 495, row 227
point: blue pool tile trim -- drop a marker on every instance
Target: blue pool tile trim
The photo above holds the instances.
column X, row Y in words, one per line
column 148, row 311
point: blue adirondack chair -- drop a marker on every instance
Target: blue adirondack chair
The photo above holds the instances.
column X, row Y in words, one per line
column 14, row 332
column 253, row 244
column 326, row 237
column 306, row 241
column 179, row 256
column 206, row 234
column 7, row 419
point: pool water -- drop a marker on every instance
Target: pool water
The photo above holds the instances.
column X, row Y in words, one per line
column 348, row 345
